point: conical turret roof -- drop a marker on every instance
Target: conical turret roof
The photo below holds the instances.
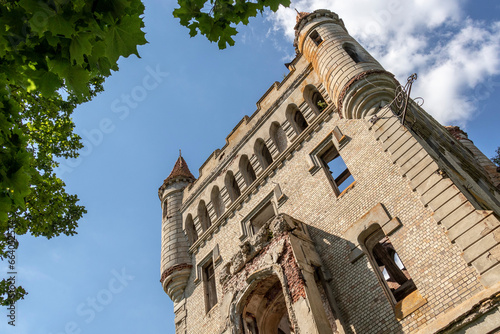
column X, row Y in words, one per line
column 180, row 170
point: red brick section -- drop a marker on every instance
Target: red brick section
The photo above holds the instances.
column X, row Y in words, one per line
column 180, row 170
column 294, row 279
column 456, row 132
column 170, row 270
column 300, row 16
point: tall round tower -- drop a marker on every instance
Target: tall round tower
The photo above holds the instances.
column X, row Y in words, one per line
column 355, row 81
column 175, row 260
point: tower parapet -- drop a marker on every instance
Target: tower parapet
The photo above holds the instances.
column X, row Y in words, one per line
column 175, row 260
column 356, row 82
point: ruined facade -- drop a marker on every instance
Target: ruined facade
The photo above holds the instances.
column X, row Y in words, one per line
column 333, row 210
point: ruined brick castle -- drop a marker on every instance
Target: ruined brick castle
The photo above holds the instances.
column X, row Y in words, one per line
column 339, row 206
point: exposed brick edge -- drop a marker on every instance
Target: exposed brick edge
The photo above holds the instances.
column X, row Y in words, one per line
column 295, row 281
column 294, row 278
column 167, row 272
column 456, row 132
column 480, row 309
column 358, row 77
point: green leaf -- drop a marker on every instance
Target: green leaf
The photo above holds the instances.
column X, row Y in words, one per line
column 58, row 25
column 80, row 46
column 77, row 79
column 47, row 82
column 122, row 38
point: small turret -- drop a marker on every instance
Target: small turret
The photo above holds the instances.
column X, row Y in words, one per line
column 175, row 260
column 357, row 84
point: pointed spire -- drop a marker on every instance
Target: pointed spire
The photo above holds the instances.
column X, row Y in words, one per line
column 300, row 15
column 180, row 170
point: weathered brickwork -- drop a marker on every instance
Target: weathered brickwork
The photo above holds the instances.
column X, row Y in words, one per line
column 417, row 184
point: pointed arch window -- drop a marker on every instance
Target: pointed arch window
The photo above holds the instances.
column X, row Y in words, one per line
column 217, row 202
column 203, row 216
column 278, row 136
column 232, row 186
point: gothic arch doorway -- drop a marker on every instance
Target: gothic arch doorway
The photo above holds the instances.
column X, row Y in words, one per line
column 265, row 310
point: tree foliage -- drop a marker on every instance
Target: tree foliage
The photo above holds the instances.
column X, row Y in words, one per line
column 54, row 55
column 216, row 19
column 496, row 158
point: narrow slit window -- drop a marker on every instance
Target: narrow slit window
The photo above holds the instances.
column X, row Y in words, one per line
column 336, row 169
column 316, row 38
column 209, row 285
column 165, row 210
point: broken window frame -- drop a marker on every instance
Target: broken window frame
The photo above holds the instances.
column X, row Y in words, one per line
column 370, row 242
column 337, row 181
column 209, row 284
column 267, row 206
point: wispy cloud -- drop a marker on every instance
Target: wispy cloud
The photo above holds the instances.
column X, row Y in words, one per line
column 455, row 56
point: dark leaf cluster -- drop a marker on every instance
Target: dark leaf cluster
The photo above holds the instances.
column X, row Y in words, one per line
column 216, row 19
column 54, row 55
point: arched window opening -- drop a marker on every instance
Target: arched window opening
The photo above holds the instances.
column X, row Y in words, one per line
column 390, row 269
column 232, row 186
column 299, row 121
column 217, row 202
column 296, row 118
column 314, row 99
column 278, row 136
column 318, row 101
column 351, row 51
column 203, row 216
column 266, row 311
column 263, row 154
column 247, row 171
column 191, row 230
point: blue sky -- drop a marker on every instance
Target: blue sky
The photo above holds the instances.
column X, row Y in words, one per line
column 185, row 93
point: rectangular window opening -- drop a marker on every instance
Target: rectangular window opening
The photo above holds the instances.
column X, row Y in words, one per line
column 209, row 285
column 336, row 169
column 316, row 38
column 262, row 217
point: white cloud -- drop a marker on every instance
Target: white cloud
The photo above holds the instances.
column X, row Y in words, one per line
column 455, row 57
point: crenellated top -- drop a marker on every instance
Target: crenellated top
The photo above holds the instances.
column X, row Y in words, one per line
column 303, row 18
column 266, row 105
column 286, row 115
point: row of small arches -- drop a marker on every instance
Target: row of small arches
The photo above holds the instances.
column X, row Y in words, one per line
column 264, row 157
